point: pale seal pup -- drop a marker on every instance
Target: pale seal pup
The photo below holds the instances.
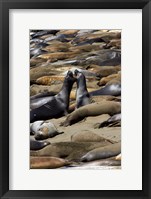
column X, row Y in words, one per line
column 43, row 130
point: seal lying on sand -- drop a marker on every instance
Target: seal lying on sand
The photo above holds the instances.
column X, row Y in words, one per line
column 82, row 95
column 47, row 162
column 37, row 145
column 111, row 89
column 96, row 163
column 54, row 106
column 102, row 152
column 43, row 130
column 95, row 109
column 114, row 120
column 69, row 150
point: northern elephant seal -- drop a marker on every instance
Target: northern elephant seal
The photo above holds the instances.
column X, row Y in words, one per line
column 54, row 106
column 102, row 152
column 47, row 162
column 94, row 109
column 111, row 89
column 69, row 150
column 82, row 95
column 114, row 120
column 37, row 145
column 43, row 130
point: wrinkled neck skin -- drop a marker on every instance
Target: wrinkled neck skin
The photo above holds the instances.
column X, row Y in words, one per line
column 81, row 85
column 64, row 94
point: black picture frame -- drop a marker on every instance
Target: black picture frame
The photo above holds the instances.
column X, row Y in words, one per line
column 5, row 5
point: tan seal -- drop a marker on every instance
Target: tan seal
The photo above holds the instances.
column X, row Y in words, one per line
column 109, row 78
column 69, row 150
column 48, row 80
column 47, row 162
column 94, row 109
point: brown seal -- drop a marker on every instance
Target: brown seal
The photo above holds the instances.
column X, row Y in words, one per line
column 59, row 55
column 95, row 109
column 47, row 162
column 104, row 71
column 88, row 136
column 48, row 80
column 69, row 150
column 109, row 78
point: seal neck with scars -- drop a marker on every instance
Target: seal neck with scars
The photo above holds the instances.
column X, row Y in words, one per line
column 82, row 95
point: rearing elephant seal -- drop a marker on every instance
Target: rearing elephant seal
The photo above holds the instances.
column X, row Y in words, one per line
column 94, row 109
column 82, row 95
column 57, row 105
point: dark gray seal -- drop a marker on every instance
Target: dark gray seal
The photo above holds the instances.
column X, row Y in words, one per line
column 37, row 145
column 45, row 94
column 82, row 95
column 114, row 120
column 111, row 89
column 102, row 152
column 54, row 106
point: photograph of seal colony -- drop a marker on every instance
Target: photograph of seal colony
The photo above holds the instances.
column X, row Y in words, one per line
column 75, row 99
